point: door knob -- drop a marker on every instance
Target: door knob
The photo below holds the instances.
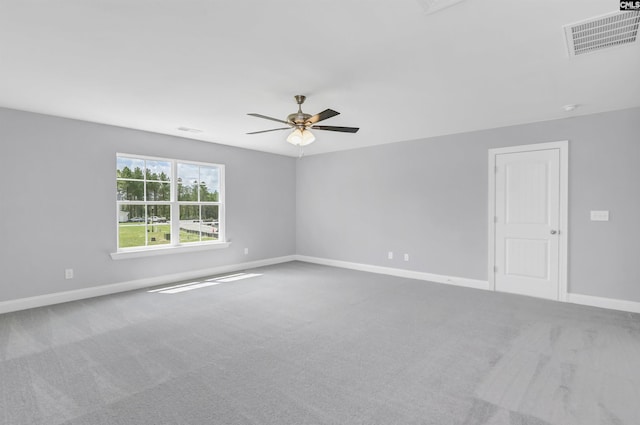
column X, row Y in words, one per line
column 553, row 232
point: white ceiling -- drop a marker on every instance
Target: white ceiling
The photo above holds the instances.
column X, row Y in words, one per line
column 391, row 69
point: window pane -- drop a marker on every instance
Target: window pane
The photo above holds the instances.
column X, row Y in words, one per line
column 188, row 178
column 209, row 184
column 130, row 190
column 198, row 223
column 133, row 231
column 129, row 168
column 210, row 223
column 158, row 224
column 158, row 191
column 189, row 223
column 158, row 170
column 131, row 226
column 131, row 214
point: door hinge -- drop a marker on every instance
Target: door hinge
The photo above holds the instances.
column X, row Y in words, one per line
column 495, row 269
column 495, row 169
column 495, row 219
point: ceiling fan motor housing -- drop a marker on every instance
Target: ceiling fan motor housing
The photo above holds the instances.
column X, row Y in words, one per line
column 298, row 119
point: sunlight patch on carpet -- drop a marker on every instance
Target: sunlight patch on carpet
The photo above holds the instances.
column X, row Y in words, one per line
column 175, row 289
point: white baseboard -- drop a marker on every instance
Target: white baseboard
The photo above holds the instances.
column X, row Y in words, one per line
column 449, row 280
column 96, row 291
column 610, row 303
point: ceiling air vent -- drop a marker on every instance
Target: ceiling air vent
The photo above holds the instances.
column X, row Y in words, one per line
column 189, row 130
column 433, row 6
column 610, row 30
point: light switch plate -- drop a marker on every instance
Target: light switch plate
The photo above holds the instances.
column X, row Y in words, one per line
column 599, row 215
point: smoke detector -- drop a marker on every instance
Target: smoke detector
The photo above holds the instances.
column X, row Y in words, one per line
column 602, row 32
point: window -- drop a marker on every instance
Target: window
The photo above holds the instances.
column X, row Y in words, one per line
column 167, row 202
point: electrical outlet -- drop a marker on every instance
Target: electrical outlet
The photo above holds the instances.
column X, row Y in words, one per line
column 246, row 251
column 406, row 257
column 390, row 255
column 68, row 273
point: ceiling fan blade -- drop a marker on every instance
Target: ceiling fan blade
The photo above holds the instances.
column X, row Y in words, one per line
column 268, row 118
column 273, row 129
column 327, row 113
column 332, row 128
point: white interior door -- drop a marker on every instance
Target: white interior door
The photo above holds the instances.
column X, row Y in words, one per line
column 527, row 223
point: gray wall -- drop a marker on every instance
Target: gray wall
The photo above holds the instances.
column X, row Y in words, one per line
column 428, row 198
column 57, row 185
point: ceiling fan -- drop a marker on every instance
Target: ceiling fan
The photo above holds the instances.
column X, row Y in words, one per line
column 302, row 123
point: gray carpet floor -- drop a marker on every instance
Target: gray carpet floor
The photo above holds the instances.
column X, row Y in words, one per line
column 307, row 344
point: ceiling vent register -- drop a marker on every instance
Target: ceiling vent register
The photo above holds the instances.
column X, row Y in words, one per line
column 433, row 6
column 610, row 30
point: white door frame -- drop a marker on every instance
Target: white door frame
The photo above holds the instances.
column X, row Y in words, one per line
column 563, row 234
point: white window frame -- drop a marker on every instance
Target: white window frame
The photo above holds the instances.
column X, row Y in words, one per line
column 174, row 246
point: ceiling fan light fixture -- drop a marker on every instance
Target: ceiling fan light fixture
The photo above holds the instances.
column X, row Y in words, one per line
column 301, row 137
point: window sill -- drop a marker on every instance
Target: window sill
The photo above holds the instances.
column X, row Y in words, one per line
column 165, row 250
